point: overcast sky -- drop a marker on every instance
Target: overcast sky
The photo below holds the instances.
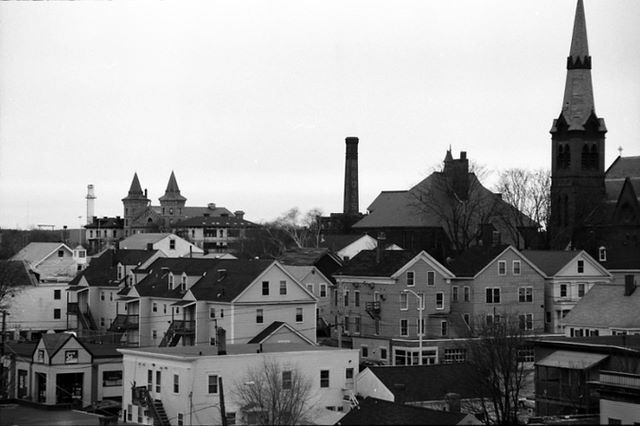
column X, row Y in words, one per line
column 249, row 102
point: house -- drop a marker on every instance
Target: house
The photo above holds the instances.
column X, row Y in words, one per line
column 91, row 295
column 322, row 258
column 493, row 282
column 103, row 232
column 52, row 262
column 426, row 217
column 187, row 382
column 60, row 369
column 569, row 276
column 218, row 234
column 170, row 244
column 607, row 309
column 346, row 246
column 377, row 300
column 188, row 300
column 374, row 411
column 432, row 386
column 321, row 287
column 588, row 375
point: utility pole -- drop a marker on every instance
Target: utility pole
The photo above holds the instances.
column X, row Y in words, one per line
column 223, row 414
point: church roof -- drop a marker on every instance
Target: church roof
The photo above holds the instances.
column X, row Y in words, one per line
column 172, row 192
column 619, row 171
column 135, row 190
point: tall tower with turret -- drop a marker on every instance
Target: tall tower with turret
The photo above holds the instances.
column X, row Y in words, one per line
column 577, row 144
column 172, row 202
column 134, row 203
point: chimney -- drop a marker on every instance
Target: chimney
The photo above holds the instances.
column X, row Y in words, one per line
column 351, row 206
column 239, row 214
column 380, row 246
column 453, row 402
column 629, row 285
column 222, row 341
column 149, row 246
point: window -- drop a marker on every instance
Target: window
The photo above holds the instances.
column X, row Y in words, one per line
column 376, row 326
column 346, row 324
column 129, row 412
column 547, row 317
column 383, row 353
column 410, row 278
column 502, row 267
column 310, row 288
column 439, row 300
column 172, row 244
column 154, row 307
column 183, row 283
column 356, row 298
column 404, row 301
column 265, row 288
column 516, row 267
column 526, row 322
column 365, row 351
column 580, row 266
column 101, row 321
column 525, row 294
column 526, row 354
column 180, row 419
column 259, row 316
column 348, row 374
column 57, row 294
column 602, row 254
column 176, row 383
column 60, row 253
column 299, row 317
column 356, row 325
column 324, row 378
column 158, row 381
column 444, row 328
column 492, row 295
column 454, row 293
column 404, row 327
column 581, row 288
column 212, row 313
column 102, row 295
column 323, row 290
column 212, row 384
column 420, row 327
column 491, row 318
column 283, row 288
column 431, row 278
column 154, row 334
column 467, row 294
column 346, row 298
column 455, row 355
column 56, row 313
column 563, row 290
column 170, row 281
column 231, row 418
column 287, row 379
column 112, row 378
column 149, row 380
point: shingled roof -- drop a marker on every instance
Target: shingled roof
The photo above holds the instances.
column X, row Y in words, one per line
column 228, row 279
column 474, row 259
column 606, row 306
column 366, row 263
column 550, row 261
column 103, row 270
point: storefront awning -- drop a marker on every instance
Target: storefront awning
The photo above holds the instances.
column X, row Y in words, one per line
column 571, row 360
column 184, row 303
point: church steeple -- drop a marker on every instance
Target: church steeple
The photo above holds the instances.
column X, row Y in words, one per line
column 135, row 190
column 172, row 193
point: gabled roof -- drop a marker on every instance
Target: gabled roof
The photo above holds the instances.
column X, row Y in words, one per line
column 550, row 261
column 299, row 272
column 135, row 190
column 606, row 306
column 272, row 329
column 191, row 266
column 103, row 270
column 156, row 284
column 54, row 341
column 17, row 272
column 336, row 242
column 429, row 382
column 365, row 263
column 228, row 279
column 475, row 259
column 623, row 167
column 306, row 256
column 35, row 253
column 140, row 241
column 106, row 222
column 373, row 411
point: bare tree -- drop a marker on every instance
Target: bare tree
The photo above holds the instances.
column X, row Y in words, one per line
column 13, row 278
column 493, row 354
column 529, row 191
column 302, row 228
column 274, row 394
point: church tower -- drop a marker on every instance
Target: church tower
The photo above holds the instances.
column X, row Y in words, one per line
column 172, row 202
column 134, row 203
column 577, row 144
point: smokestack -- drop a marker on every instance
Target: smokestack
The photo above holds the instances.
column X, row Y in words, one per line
column 91, row 204
column 351, row 206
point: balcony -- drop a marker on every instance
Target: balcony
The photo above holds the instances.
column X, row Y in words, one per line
column 178, row 329
column 73, row 308
column 125, row 322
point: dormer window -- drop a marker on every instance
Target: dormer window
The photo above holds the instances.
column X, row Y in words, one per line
column 183, row 282
column 170, row 281
column 602, row 254
column 120, row 271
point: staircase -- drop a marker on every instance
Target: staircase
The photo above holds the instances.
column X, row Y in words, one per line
column 156, row 408
column 87, row 321
column 171, row 337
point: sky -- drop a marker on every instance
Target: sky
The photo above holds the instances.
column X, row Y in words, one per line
column 250, row 102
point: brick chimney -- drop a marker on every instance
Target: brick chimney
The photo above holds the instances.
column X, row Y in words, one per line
column 629, row 285
column 351, row 204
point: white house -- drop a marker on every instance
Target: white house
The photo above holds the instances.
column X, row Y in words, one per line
column 187, row 381
column 170, row 244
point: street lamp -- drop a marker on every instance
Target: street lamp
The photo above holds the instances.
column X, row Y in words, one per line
column 420, row 324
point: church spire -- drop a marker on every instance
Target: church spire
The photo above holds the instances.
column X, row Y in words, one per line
column 135, row 190
column 172, row 192
column 579, row 45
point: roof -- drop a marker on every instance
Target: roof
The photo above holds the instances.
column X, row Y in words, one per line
column 36, row 252
column 373, row 411
column 474, row 260
column 623, row 167
column 365, row 263
column 550, row 261
column 135, row 190
column 54, row 341
column 225, row 221
column 571, row 359
column 198, row 351
column 172, row 192
column 228, row 279
column 103, row 270
column 304, row 256
column 407, row 383
column 17, row 272
column 106, row 222
column 140, row 241
column 272, row 328
column 606, row 306
column 336, row 242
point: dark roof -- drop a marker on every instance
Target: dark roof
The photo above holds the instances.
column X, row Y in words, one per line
column 619, row 343
column 22, row 349
column 605, row 305
column 549, row 261
column 304, row 256
column 365, row 264
column 623, row 167
column 201, row 221
column 228, row 279
column 54, row 341
column 172, row 192
column 17, row 273
column 264, row 334
column 373, row 411
column 190, row 265
column 336, row 242
column 106, row 222
column 429, row 382
column 473, row 260
column 103, row 270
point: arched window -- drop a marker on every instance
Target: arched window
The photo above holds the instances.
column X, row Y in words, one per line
column 585, row 160
column 560, row 157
